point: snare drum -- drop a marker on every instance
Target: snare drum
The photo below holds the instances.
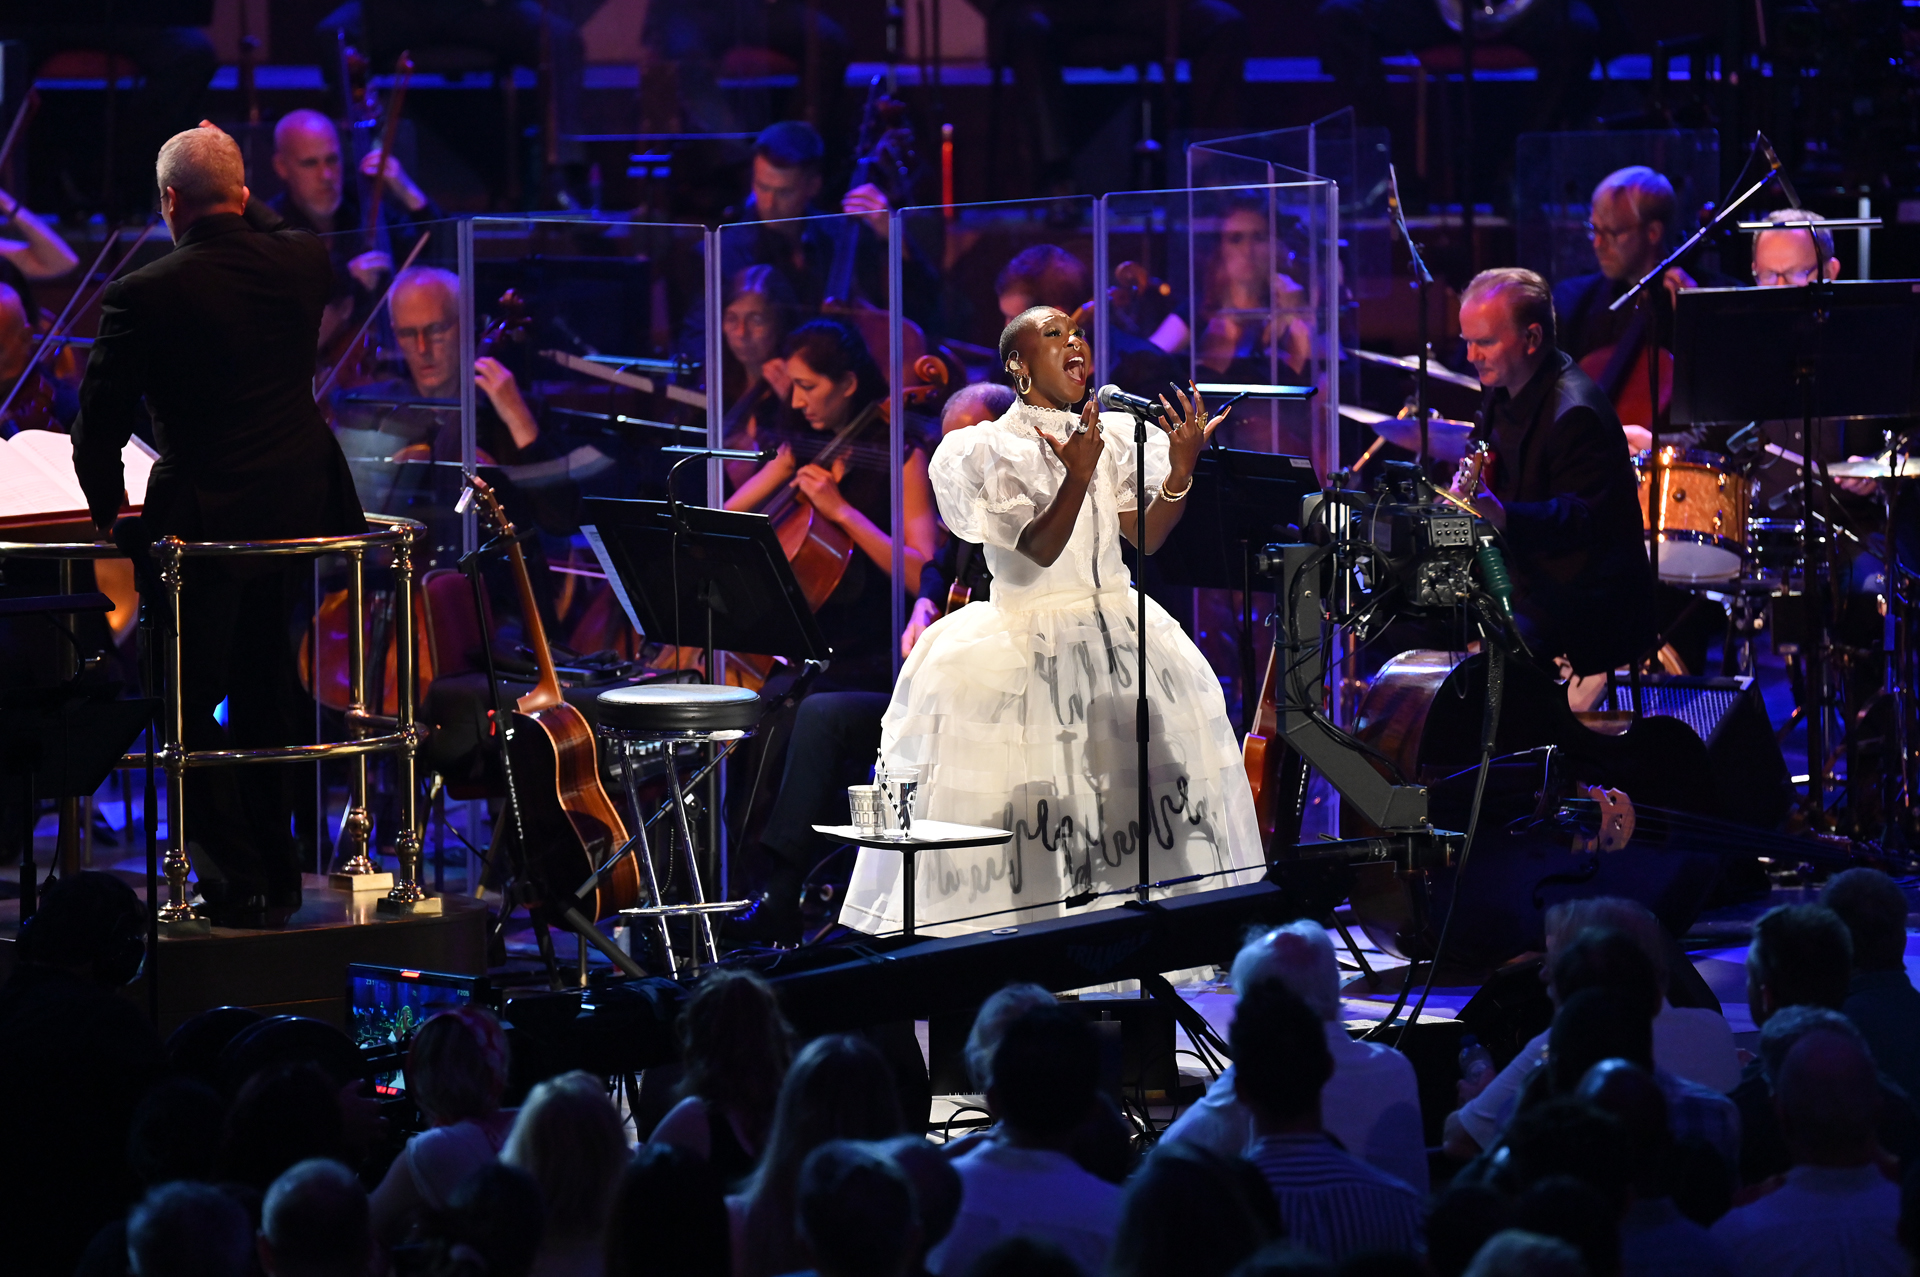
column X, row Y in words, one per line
column 1702, row 521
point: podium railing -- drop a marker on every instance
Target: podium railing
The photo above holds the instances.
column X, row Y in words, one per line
column 170, row 554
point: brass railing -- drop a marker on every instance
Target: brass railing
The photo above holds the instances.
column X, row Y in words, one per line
column 396, row 534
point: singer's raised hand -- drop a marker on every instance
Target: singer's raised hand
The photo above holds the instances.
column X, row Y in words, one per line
column 1189, row 430
column 1079, row 452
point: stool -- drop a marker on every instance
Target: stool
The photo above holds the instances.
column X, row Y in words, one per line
column 659, row 718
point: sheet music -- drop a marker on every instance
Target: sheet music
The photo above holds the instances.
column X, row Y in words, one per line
column 37, row 477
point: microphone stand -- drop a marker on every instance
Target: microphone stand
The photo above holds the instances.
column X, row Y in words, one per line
column 1141, row 713
column 1423, row 280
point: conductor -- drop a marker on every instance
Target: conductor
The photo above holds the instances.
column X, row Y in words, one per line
column 219, row 338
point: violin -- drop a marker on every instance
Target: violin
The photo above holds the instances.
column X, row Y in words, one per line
column 885, row 159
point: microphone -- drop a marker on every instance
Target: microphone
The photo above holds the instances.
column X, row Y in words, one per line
column 1773, row 162
column 687, row 453
column 1114, row 399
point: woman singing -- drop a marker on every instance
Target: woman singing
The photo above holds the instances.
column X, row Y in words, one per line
column 839, row 390
column 1019, row 712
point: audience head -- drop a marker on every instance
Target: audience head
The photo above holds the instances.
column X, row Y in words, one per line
column 90, row 925
column 786, row 170
column 833, row 372
column 1828, row 1100
column 1603, row 958
column 1566, row 1137
column 1300, row 956
column 1568, row 920
column 189, row 1230
column 195, row 1048
column 1800, row 955
column 990, row 1025
column 1284, row 1259
column 1874, row 910
column 735, row 1046
column 424, row 305
column 1463, row 1216
column 1506, row 319
column 315, row 1223
column 669, row 1217
column 1280, row 1056
column 1576, row 1213
column 1781, row 1031
column 1044, row 275
column 839, row 1088
column 753, row 315
column 973, row 404
column 284, row 1114
column 855, row 1212
column 494, row 1221
column 457, row 1065
column 306, row 158
column 569, row 1137
column 1514, row 1253
column 1044, row 1077
column 1595, row 1025
column 199, row 172
column 290, row 1039
column 1025, row 1257
column 1792, row 256
column 168, row 1137
column 1630, row 1094
column 1631, row 221
column 1189, row 1212
column 935, row 1185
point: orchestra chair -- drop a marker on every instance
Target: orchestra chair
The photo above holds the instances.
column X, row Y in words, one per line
column 653, row 722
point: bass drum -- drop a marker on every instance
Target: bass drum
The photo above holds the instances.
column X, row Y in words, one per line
column 1701, row 524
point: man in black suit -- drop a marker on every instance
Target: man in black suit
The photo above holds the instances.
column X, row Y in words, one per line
column 1559, row 485
column 219, row 338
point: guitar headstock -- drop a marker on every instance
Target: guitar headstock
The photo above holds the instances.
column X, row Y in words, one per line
column 491, row 513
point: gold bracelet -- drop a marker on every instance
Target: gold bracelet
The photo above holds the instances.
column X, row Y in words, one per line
column 1182, row 496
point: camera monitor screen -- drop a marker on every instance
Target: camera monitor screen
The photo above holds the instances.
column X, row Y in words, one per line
column 387, row 1005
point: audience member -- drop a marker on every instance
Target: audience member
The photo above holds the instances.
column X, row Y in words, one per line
column 285, row 1114
column 490, row 1227
column 1564, row 1136
column 1837, row 1214
column 1800, row 955
column 1329, row 1200
column 838, row 1088
column 1190, row 1212
column 735, row 1047
column 1515, row 1253
column 1881, row 999
column 1371, row 1104
column 1620, row 1025
column 669, row 1217
column 1690, row 1042
column 315, row 1223
column 1040, row 1089
column 1764, row 1151
column 856, row 1212
column 936, row 1191
column 168, row 1142
column 1284, row 1259
column 85, row 1055
column 568, row 1136
column 187, row 1230
column 1656, row 1239
column 456, row 1073
column 1461, row 1219
column 1577, row 1213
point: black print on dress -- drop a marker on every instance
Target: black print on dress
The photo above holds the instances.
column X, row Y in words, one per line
column 1075, row 846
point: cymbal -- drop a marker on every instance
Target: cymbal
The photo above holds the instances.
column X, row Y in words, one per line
column 1883, row 467
column 1436, row 371
column 1446, row 439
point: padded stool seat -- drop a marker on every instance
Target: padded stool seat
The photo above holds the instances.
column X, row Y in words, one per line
column 679, row 707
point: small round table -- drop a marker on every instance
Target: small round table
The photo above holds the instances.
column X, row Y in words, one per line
column 927, row 835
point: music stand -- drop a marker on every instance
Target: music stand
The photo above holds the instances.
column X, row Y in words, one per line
column 1240, row 501
column 1822, row 350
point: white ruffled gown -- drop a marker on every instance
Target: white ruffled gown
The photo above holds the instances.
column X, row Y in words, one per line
column 1019, row 711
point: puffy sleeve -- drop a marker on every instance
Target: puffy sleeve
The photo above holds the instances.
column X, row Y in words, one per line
column 990, row 483
column 1117, row 430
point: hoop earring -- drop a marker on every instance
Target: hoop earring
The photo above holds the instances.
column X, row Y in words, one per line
column 1024, row 385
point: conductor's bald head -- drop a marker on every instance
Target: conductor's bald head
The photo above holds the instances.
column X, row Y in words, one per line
column 199, row 172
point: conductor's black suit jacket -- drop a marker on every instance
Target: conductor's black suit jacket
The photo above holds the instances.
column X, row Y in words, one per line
column 219, row 337
column 1575, row 541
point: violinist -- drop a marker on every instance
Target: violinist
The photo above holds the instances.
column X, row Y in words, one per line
column 838, row 389
column 424, row 406
column 46, row 402
column 29, row 245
